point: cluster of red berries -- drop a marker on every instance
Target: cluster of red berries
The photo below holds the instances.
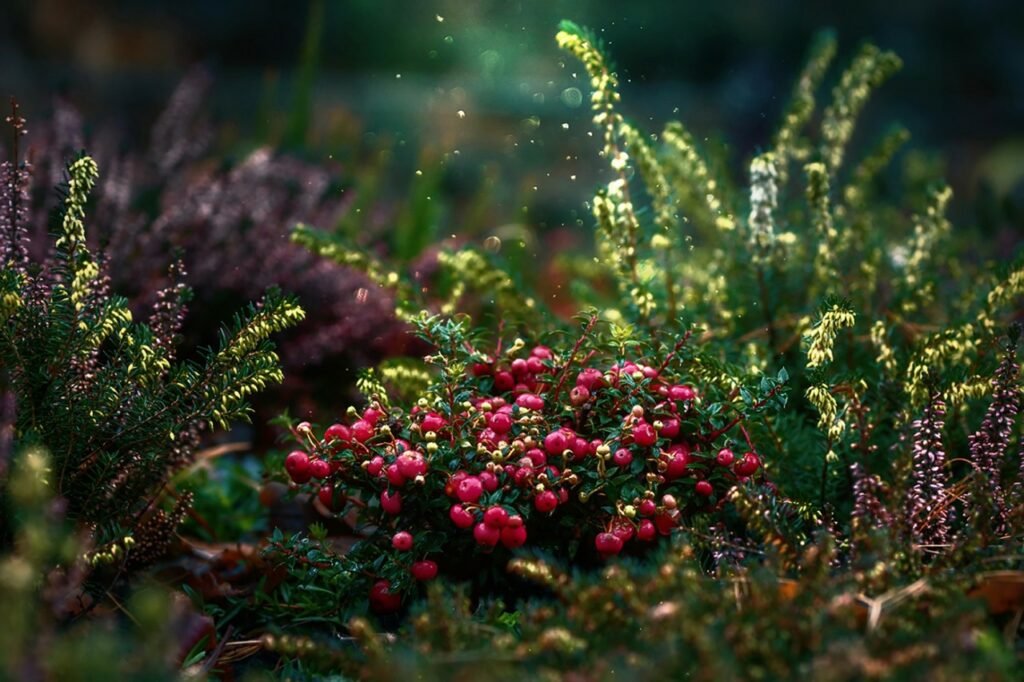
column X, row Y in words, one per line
column 519, row 446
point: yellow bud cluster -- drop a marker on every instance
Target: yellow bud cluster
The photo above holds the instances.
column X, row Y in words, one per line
column 829, row 422
column 822, row 336
column 886, row 357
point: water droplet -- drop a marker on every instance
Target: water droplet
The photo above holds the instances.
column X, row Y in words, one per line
column 461, row 113
column 449, row 40
column 398, row 75
column 565, row 126
column 572, row 97
column 492, row 244
column 361, row 294
column 419, row 172
column 440, row 19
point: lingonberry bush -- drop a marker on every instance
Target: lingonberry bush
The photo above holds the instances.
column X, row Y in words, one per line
column 584, row 451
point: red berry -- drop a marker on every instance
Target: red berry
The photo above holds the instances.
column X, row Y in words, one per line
column 319, row 469
column 678, row 463
column 372, row 415
column 704, row 488
column 411, row 464
column 481, row 369
column 542, row 352
column 590, row 378
column 534, row 365
column 748, row 465
column 665, row 523
column 645, row 530
column 326, row 497
column 725, row 457
column 504, row 381
column 545, row 502
column 382, row 599
column 337, row 432
column 362, row 430
column 297, row 466
column 374, row 466
column 391, row 502
column 580, row 447
column 488, row 480
column 402, row 541
column 394, row 475
column 608, row 544
column 644, row 434
column 519, row 367
column 513, row 537
column 681, row 392
column 531, row 401
column 556, row 442
column 424, row 570
column 496, row 517
column 537, row 457
column 485, row 535
column 647, row 508
column 500, row 422
column 579, row 396
column 460, row 516
column 622, row 528
column 622, row 458
column 432, row 422
column 469, row 489
column 669, row 428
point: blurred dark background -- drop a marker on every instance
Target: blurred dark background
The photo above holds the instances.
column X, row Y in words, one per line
column 406, row 69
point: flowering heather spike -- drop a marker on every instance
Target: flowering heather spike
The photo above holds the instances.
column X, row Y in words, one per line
column 802, row 105
column 926, row 514
column 869, row 69
column 988, row 445
column 181, row 134
column 14, row 183
column 169, row 311
column 764, row 199
column 868, row 509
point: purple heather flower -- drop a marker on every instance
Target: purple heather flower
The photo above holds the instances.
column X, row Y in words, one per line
column 926, row 514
